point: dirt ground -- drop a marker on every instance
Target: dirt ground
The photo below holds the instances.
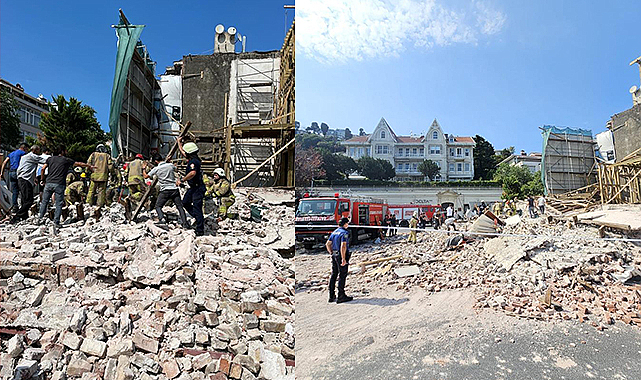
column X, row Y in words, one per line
column 387, row 333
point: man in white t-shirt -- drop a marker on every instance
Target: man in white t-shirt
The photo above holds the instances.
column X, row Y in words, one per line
column 541, row 204
column 450, row 211
column 168, row 189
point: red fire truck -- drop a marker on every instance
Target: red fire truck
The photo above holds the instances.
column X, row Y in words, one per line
column 314, row 213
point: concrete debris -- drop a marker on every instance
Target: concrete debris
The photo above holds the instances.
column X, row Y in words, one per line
column 116, row 300
column 566, row 272
column 410, row 270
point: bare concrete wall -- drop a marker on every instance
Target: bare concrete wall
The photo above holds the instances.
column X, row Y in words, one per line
column 626, row 129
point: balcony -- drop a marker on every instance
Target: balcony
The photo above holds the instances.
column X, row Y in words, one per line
column 409, row 155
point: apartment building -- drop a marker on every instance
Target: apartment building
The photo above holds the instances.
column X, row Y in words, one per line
column 454, row 155
column 30, row 109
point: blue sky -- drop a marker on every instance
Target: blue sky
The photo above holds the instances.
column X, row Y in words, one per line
column 69, row 47
column 496, row 68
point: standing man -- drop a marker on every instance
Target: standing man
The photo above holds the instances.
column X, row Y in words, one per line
column 450, row 211
column 26, row 170
column 54, row 173
column 135, row 178
column 101, row 161
column 193, row 199
column 221, row 189
column 168, row 189
column 530, row 204
column 393, row 223
column 14, row 161
column 413, row 226
column 541, row 202
column 338, row 248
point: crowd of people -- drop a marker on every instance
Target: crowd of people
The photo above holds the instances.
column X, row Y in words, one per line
column 35, row 173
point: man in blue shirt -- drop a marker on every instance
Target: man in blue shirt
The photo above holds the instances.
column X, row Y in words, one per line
column 338, row 247
column 14, row 161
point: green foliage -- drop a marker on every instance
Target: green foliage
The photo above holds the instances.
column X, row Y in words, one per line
column 484, row 161
column 10, row 135
column 310, row 140
column 429, row 169
column 503, row 154
column 348, row 134
column 337, row 166
column 518, row 181
column 376, row 168
column 361, row 132
column 73, row 125
column 324, row 129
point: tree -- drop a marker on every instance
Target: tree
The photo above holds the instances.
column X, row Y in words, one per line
column 308, row 166
column 74, row 125
column 484, row 162
column 518, row 181
column 9, row 121
column 337, row 166
column 361, row 132
column 429, row 169
column 297, row 125
column 324, row 128
column 348, row 134
column 310, row 140
column 376, row 168
column 315, row 128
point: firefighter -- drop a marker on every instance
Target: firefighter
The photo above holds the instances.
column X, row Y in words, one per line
column 114, row 184
column 75, row 192
column 135, row 178
column 413, row 226
column 99, row 177
column 221, row 189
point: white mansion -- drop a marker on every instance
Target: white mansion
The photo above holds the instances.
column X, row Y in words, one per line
column 453, row 154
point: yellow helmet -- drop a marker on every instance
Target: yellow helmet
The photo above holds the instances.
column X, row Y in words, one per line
column 83, row 175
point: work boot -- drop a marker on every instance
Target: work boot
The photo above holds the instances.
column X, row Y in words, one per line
column 127, row 204
column 344, row 298
column 332, row 298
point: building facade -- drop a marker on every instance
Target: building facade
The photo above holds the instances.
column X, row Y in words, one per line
column 454, row 155
column 30, row 109
column 532, row 161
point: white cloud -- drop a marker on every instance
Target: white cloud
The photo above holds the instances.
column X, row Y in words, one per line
column 343, row 30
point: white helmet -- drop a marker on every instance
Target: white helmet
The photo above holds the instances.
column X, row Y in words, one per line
column 190, row 147
column 220, row 172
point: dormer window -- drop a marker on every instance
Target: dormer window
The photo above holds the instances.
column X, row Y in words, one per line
column 435, row 135
column 382, row 134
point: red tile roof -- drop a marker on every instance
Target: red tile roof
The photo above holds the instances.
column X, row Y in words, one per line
column 358, row 139
column 464, row 139
column 409, row 139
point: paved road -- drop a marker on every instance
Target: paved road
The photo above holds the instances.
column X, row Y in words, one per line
column 391, row 334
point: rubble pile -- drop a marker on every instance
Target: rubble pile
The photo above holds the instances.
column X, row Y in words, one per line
column 564, row 273
column 111, row 299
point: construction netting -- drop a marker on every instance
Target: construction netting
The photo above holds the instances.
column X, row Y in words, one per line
column 552, row 151
column 128, row 36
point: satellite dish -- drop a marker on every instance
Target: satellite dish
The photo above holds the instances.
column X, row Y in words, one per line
column 231, row 30
column 220, row 28
column 633, row 89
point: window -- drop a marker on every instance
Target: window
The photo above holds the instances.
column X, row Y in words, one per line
column 367, row 152
column 452, row 152
column 414, row 151
column 421, row 152
column 360, row 152
column 400, row 151
column 382, row 134
column 435, row 149
column 434, row 135
column 407, row 166
column 414, row 167
column 399, row 167
column 467, row 167
column 451, row 168
column 467, row 152
column 458, row 152
column 407, row 152
column 459, row 167
column 351, row 152
column 382, row 149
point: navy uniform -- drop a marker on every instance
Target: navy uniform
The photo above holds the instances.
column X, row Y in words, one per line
column 193, row 199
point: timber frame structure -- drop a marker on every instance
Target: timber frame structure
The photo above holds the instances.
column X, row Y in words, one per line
column 621, row 182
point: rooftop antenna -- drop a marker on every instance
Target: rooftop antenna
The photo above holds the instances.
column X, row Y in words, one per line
column 638, row 62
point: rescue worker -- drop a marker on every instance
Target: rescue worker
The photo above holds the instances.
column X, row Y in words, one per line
column 193, row 199
column 220, row 188
column 135, row 178
column 413, row 226
column 168, row 189
column 338, row 248
column 75, row 192
column 99, row 177
column 73, row 175
column 497, row 208
column 114, row 185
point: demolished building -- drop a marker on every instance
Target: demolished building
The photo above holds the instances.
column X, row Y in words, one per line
column 240, row 104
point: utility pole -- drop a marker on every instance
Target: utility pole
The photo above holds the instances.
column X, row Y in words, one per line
column 638, row 62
